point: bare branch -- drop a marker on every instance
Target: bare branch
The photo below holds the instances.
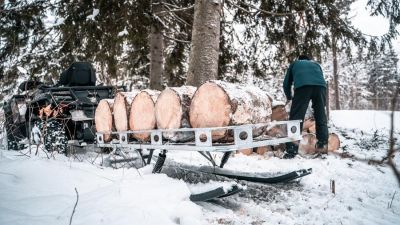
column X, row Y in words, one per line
column 174, row 39
column 175, row 10
column 76, row 203
column 264, row 11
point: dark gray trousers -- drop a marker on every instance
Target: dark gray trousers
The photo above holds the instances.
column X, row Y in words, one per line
column 301, row 99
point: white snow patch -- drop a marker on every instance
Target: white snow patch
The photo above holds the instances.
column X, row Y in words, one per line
column 277, row 103
column 42, row 191
column 122, row 33
column 94, row 14
column 366, row 120
column 22, row 70
column 361, row 19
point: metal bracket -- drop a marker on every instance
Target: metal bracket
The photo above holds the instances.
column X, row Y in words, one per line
column 100, row 138
column 123, row 138
column 243, row 135
column 203, row 138
column 156, row 138
column 293, row 129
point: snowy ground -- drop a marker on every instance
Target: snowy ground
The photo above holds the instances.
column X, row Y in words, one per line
column 37, row 190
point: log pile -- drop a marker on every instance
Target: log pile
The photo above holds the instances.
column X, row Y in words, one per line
column 213, row 104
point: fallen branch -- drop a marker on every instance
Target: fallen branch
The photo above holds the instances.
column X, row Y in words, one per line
column 391, row 202
column 76, row 203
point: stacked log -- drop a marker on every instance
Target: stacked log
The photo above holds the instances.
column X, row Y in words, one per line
column 142, row 113
column 218, row 103
column 307, row 145
column 172, row 112
column 103, row 118
column 333, row 142
column 121, row 108
column 279, row 112
column 309, row 125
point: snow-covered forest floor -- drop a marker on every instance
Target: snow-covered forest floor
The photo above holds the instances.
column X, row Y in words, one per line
column 38, row 190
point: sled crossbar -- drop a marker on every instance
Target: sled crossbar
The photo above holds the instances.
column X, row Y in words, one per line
column 242, row 138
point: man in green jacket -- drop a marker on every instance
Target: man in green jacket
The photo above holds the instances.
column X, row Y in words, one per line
column 309, row 84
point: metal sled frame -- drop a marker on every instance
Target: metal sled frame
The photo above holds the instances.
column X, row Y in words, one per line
column 242, row 139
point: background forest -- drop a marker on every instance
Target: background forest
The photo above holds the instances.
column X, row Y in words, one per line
column 147, row 44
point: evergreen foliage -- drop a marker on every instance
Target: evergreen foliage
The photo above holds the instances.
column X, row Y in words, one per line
column 258, row 39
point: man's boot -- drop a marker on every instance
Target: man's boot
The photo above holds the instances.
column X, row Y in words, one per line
column 291, row 150
column 321, row 148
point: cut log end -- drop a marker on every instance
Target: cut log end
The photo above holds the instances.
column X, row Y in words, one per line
column 104, row 119
column 142, row 115
column 120, row 113
column 307, row 144
column 333, row 142
column 168, row 110
column 264, row 149
column 279, row 113
column 247, row 151
column 210, row 107
column 307, row 124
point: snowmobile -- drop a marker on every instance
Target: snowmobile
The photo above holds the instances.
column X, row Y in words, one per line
column 56, row 116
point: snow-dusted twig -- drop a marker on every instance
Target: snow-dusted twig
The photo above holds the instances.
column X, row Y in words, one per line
column 267, row 12
column 176, row 10
column 76, row 203
column 174, row 39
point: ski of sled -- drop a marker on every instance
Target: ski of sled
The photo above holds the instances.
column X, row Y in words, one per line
column 215, row 193
column 257, row 177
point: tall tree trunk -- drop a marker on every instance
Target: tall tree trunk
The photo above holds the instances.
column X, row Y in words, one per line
column 203, row 62
column 335, row 73
column 156, row 48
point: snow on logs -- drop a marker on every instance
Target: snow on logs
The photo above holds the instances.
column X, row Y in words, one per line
column 172, row 112
column 104, row 118
column 218, row 103
column 142, row 113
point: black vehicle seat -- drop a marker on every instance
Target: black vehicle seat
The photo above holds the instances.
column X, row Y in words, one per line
column 78, row 74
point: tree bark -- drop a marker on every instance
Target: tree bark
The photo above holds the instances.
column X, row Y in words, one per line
column 203, row 61
column 142, row 113
column 218, row 103
column 103, row 118
column 335, row 74
column 156, row 49
column 172, row 112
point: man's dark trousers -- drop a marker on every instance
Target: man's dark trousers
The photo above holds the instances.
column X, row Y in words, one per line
column 301, row 99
